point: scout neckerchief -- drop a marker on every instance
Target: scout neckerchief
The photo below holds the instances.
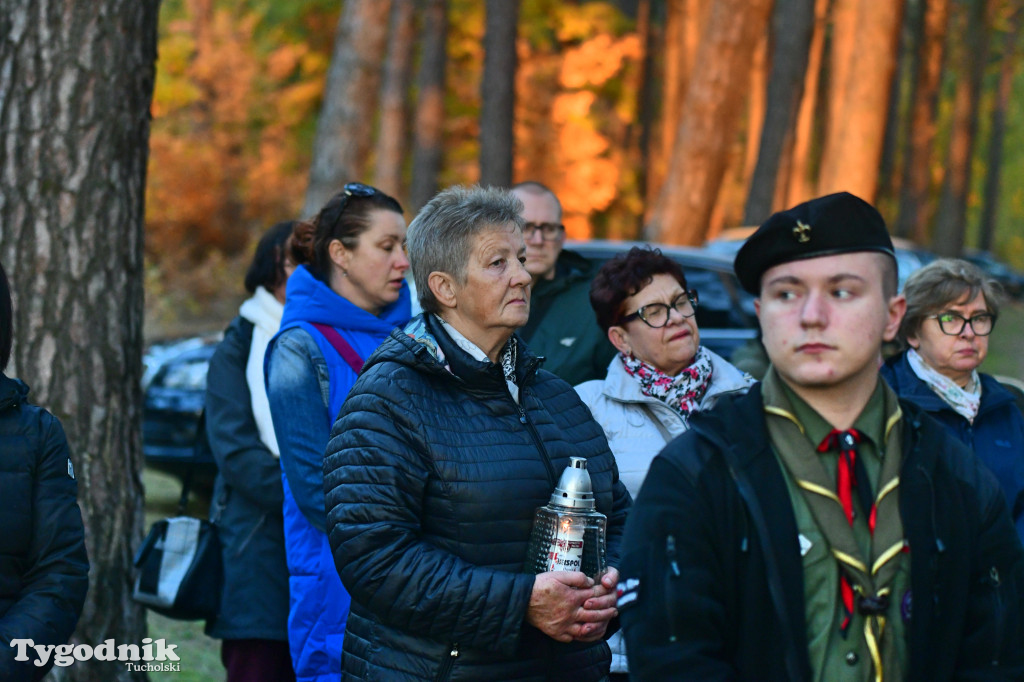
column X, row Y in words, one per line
column 864, row 585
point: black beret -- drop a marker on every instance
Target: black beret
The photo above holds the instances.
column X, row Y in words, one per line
column 836, row 223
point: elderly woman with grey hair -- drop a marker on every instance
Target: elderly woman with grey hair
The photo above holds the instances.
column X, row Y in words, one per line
column 952, row 307
column 448, row 442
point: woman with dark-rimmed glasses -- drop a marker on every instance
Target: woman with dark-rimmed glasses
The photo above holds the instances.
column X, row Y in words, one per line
column 661, row 374
column 347, row 293
column 952, row 308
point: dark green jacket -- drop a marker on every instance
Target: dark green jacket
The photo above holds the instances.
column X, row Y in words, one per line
column 562, row 328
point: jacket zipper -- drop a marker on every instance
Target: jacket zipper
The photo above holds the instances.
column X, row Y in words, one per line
column 670, row 581
column 537, row 441
column 992, row 579
column 445, row 671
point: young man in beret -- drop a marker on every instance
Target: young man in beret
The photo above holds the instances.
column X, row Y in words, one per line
column 818, row 528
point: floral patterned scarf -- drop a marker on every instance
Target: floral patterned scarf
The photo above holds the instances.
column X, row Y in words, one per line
column 682, row 392
column 964, row 401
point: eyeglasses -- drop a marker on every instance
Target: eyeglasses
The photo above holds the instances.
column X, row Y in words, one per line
column 657, row 315
column 549, row 232
column 953, row 324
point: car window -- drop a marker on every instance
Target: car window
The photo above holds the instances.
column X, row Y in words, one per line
column 187, row 374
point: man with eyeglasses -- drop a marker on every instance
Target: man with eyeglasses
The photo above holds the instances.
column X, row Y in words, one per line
column 819, row 528
column 562, row 327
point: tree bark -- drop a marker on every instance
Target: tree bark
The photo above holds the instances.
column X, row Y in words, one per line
column 792, row 27
column 498, row 93
column 392, row 141
column 713, row 105
column 798, row 185
column 951, row 215
column 76, row 81
column 913, row 218
column 859, row 94
column 997, row 134
column 345, row 128
column 428, row 125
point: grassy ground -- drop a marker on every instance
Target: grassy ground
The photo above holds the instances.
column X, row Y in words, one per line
column 1006, row 353
column 199, row 654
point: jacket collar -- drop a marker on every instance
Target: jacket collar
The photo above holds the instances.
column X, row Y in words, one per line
column 12, row 392
column 901, row 377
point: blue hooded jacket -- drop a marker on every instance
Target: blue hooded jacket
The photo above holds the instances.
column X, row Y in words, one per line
column 307, row 382
column 996, row 436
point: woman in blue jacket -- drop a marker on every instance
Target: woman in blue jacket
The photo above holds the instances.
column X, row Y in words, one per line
column 346, row 295
column 951, row 310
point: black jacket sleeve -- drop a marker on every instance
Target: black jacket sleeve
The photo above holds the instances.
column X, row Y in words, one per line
column 56, row 575
column 242, row 458
column 671, row 602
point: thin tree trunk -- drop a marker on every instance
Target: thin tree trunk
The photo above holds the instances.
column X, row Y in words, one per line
column 909, row 36
column 76, row 84
column 497, row 89
column 859, row 94
column 713, row 105
column 428, row 124
column 798, row 182
column 792, row 28
column 394, row 132
column 951, row 215
column 640, row 130
column 997, row 135
column 344, row 130
column 913, row 219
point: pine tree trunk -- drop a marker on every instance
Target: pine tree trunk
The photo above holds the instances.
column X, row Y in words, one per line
column 497, row 90
column 859, row 94
column 914, row 218
column 951, row 215
column 428, row 132
column 798, row 185
column 708, row 121
column 394, row 131
column 997, row 132
column 76, row 81
column 344, row 130
column 792, row 27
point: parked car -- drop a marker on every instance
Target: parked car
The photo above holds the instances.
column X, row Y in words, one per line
column 174, row 384
column 725, row 312
column 1011, row 280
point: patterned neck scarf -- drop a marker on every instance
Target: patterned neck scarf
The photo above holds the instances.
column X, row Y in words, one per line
column 682, row 392
column 965, row 401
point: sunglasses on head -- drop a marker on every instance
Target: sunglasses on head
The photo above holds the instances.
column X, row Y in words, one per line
column 353, row 189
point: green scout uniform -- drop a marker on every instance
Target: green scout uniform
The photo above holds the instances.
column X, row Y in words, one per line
column 796, row 430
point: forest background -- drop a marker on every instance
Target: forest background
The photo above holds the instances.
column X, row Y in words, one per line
column 666, row 120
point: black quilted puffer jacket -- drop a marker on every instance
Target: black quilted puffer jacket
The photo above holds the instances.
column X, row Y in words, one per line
column 44, row 570
column 432, row 476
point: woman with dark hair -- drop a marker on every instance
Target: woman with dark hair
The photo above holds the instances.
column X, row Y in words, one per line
column 44, row 570
column 347, row 293
column 661, row 374
column 952, row 307
column 248, row 494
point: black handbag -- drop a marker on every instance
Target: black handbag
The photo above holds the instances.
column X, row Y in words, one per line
column 179, row 565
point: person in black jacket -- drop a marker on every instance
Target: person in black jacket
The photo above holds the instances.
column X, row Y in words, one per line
column 248, row 494
column 819, row 528
column 450, row 439
column 44, row 569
